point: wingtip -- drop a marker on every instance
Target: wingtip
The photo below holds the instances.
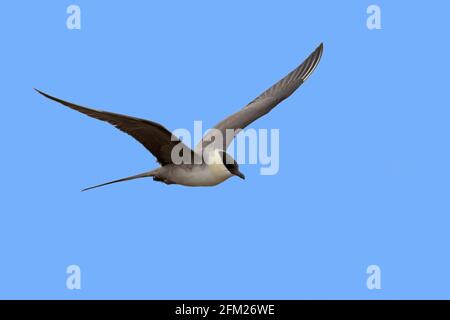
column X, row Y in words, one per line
column 40, row 92
column 320, row 47
column 49, row 96
column 319, row 51
column 309, row 65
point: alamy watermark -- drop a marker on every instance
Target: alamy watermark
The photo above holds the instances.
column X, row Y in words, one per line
column 374, row 280
column 73, row 281
column 373, row 21
column 249, row 146
column 73, row 21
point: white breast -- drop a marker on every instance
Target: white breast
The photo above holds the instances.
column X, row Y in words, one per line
column 209, row 174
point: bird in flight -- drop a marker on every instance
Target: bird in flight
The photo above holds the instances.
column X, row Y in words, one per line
column 208, row 164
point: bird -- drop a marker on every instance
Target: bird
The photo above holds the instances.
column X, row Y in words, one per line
column 208, row 164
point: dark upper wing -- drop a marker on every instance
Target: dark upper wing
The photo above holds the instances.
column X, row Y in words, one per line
column 153, row 136
column 264, row 103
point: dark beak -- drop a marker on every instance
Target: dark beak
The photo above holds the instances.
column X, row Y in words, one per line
column 240, row 175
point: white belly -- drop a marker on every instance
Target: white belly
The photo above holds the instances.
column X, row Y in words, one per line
column 209, row 175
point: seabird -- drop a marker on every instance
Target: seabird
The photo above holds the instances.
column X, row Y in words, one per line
column 209, row 163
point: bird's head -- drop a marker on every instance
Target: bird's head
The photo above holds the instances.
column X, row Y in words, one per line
column 231, row 164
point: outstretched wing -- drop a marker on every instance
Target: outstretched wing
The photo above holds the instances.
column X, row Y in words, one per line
column 153, row 136
column 228, row 128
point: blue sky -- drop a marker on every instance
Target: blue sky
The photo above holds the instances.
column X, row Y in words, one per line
column 364, row 159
